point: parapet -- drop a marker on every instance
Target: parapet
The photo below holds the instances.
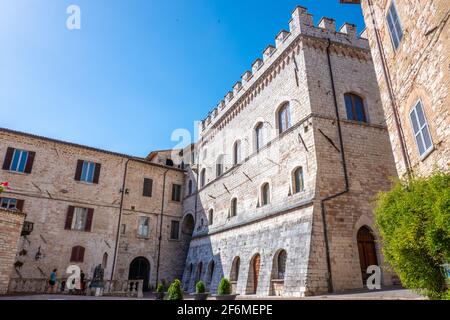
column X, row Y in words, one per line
column 301, row 23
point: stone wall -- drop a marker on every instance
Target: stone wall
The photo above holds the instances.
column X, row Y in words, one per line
column 11, row 223
column 417, row 70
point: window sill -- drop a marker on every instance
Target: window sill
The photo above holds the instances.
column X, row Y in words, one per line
column 86, row 183
column 143, row 237
column 17, row 172
column 427, row 154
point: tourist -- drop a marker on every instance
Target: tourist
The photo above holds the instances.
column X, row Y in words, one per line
column 52, row 281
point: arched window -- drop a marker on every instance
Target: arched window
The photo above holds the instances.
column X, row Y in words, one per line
column 77, row 254
column 265, row 194
column 259, row 137
column 169, row 162
column 211, row 268
column 211, row 217
column 298, row 180
column 203, row 177
column 199, row 272
column 219, row 166
column 190, row 187
column 355, row 107
column 284, row 118
column 237, row 152
column 281, row 264
column 233, row 210
column 234, row 276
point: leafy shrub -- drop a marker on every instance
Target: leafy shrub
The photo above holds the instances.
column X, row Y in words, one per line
column 200, row 287
column 174, row 292
column 414, row 222
column 224, row 287
column 160, row 288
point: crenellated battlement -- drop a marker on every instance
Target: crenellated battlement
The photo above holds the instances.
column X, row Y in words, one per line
column 300, row 25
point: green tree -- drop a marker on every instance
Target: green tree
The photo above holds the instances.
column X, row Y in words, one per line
column 224, row 287
column 174, row 292
column 414, row 223
column 200, row 287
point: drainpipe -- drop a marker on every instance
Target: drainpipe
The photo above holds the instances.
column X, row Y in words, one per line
column 122, row 191
column 387, row 79
column 160, row 227
column 344, row 168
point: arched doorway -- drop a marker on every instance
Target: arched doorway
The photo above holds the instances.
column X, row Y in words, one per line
column 187, row 227
column 367, row 251
column 253, row 276
column 140, row 270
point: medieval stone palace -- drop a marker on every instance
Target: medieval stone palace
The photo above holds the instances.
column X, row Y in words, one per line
column 277, row 194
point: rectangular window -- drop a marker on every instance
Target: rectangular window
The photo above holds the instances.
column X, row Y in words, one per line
column 8, row 203
column 87, row 171
column 395, row 28
column 421, row 130
column 144, row 227
column 18, row 160
column 176, row 192
column 174, row 230
column 11, row 204
column 79, row 219
column 148, row 186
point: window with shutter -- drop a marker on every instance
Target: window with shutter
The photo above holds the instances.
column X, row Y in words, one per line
column 77, row 254
column 10, row 203
column 176, row 192
column 148, row 186
column 87, row 171
column 421, row 130
column 18, row 160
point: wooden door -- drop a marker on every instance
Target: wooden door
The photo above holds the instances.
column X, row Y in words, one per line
column 256, row 266
column 367, row 251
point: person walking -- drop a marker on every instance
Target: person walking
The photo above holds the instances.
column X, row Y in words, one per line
column 52, row 281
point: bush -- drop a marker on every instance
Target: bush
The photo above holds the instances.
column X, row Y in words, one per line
column 200, row 287
column 224, row 287
column 414, row 222
column 160, row 288
column 174, row 292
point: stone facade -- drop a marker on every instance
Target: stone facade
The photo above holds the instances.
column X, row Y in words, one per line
column 282, row 221
column 11, row 223
column 418, row 70
column 50, row 189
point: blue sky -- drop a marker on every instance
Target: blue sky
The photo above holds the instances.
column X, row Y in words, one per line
column 137, row 69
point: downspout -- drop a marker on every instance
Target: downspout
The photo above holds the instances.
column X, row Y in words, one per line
column 160, row 227
column 387, row 78
column 122, row 191
column 344, row 168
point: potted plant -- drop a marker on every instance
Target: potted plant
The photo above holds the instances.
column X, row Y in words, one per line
column 159, row 294
column 174, row 292
column 224, row 291
column 200, row 293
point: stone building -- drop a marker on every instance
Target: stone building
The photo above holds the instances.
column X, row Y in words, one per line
column 90, row 207
column 410, row 44
column 11, row 224
column 288, row 165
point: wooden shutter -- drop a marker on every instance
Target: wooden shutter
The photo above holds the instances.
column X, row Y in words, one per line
column 90, row 215
column 97, row 172
column 69, row 218
column 73, row 256
column 80, row 257
column 19, row 205
column 148, row 186
column 30, row 160
column 78, row 170
column 8, row 158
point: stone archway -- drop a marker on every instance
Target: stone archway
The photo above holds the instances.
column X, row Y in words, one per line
column 140, row 270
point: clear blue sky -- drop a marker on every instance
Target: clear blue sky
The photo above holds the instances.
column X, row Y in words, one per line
column 137, row 69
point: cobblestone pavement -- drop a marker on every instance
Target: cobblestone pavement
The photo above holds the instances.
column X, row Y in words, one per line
column 385, row 294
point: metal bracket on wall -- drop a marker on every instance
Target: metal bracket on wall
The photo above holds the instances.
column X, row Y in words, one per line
column 329, row 140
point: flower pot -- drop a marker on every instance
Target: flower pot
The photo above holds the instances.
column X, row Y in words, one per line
column 201, row 296
column 226, row 296
column 159, row 295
